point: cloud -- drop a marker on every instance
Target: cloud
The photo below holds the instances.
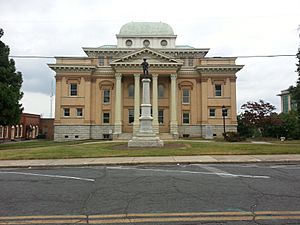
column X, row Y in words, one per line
column 228, row 28
column 37, row 103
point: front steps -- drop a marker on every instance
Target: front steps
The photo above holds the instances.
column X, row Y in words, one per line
column 128, row 136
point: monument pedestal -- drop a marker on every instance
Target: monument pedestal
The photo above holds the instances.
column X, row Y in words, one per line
column 145, row 136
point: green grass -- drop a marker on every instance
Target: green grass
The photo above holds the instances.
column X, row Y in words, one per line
column 80, row 149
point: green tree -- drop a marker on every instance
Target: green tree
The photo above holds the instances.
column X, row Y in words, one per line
column 258, row 119
column 295, row 91
column 10, row 88
column 290, row 127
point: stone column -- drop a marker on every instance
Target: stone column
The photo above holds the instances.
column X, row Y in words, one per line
column 155, row 104
column 118, row 107
column 174, row 123
column 58, row 100
column 17, row 127
column 87, row 100
column 136, row 122
column 21, row 135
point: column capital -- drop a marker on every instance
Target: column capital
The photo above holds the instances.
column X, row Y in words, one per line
column 154, row 76
column 118, row 75
column 137, row 75
column 173, row 76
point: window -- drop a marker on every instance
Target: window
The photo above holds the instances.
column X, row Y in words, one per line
column 164, row 43
column 186, row 118
column 218, row 90
column 212, row 112
column 185, row 96
column 161, row 91
column 128, row 42
column 73, row 89
column 101, row 61
column 191, row 61
column 285, row 103
column 66, row 111
column 106, row 96
column 106, row 117
column 79, row 112
column 146, row 43
column 109, row 59
column 131, row 90
column 130, row 115
column 160, row 116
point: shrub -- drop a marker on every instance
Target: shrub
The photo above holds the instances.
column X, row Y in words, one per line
column 232, row 136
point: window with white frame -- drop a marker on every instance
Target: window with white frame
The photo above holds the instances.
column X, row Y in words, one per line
column 66, row 111
column 106, row 116
column 218, row 90
column 212, row 112
column 79, row 112
column 106, row 96
column 73, row 89
column 185, row 96
column 186, row 117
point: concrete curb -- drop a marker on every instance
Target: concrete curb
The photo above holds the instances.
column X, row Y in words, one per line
column 151, row 160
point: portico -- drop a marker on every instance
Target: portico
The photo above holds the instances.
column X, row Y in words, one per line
column 168, row 109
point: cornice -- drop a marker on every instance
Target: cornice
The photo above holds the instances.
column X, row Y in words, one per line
column 218, row 68
column 152, row 65
column 71, row 68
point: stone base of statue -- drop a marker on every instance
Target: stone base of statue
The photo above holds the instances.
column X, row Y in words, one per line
column 145, row 136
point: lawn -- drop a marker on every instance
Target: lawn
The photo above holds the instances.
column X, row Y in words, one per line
column 88, row 149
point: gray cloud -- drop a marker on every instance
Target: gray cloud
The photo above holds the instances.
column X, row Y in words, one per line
column 228, row 28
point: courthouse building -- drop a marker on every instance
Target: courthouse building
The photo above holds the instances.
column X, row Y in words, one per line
column 99, row 96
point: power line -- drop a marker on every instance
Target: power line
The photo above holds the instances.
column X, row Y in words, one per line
column 216, row 57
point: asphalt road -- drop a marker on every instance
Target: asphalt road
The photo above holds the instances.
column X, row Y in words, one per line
column 171, row 194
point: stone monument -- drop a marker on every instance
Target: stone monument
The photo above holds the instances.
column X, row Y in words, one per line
column 145, row 137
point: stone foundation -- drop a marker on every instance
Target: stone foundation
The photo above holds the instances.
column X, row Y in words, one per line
column 81, row 132
column 205, row 131
column 84, row 132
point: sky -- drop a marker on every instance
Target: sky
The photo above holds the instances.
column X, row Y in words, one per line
column 228, row 28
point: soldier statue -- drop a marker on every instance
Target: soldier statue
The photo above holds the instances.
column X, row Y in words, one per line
column 145, row 68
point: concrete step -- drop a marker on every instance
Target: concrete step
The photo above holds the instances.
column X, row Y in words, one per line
column 125, row 136
column 166, row 136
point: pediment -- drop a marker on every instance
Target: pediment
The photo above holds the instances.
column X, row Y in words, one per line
column 153, row 58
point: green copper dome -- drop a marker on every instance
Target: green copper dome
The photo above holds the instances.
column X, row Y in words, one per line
column 146, row 28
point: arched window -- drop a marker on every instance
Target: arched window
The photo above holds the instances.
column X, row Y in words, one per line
column 130, row 90
column 161, row 91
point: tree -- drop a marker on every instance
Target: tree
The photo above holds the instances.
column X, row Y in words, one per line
column 290, row 127
column 295, row 91
column 10, row 88
column 258, row 118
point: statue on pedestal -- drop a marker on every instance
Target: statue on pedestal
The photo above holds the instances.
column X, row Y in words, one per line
column 145, row 65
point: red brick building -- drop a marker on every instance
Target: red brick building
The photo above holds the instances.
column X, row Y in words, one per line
column 29, row 127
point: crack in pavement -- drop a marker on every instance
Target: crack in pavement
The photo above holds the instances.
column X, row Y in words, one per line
column 98, row 179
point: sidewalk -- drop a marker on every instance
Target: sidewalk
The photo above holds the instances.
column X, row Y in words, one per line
column 291, row 158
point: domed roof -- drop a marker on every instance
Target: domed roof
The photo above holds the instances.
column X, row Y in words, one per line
column 146, row 28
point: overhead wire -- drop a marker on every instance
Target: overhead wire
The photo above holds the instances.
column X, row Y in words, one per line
column 239, row 56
